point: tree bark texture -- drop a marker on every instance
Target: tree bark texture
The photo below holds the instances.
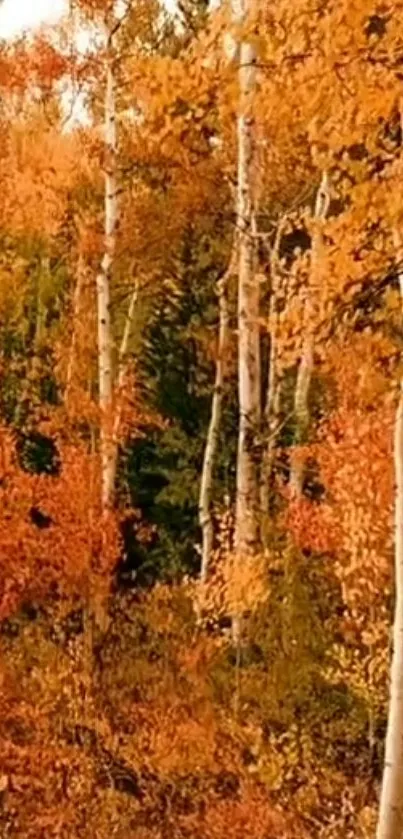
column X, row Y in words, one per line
column 306, row 364
column 247, row 488
column 213, row 433
column 273, row 394
column 103, row 289
column 390, row 821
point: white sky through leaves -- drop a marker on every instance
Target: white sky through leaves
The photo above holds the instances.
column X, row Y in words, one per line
column 17, row 15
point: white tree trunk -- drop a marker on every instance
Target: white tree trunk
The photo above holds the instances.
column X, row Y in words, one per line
column 103, row 290
column 301, row 411
column 390, row 822
column 210, row 452
column 306, row 364
column 117, row 417
column 247, row 489
column 272, row 404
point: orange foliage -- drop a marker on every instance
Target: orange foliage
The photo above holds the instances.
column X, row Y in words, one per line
column 354, row 452
column 49, row 529
column 141, row 693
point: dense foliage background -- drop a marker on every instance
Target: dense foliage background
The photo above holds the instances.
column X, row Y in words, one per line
column 128, row 708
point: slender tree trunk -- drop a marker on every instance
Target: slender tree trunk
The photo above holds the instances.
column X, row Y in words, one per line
column 77, row 302
column 306, row 364
column 301, row 411
column 117, row 418
column 390, row 822
column 210, row 451
column 247, row 489
column 124, row 344
column 273, row 395
column 44, row 273
column 271, row 424
column 103, row 288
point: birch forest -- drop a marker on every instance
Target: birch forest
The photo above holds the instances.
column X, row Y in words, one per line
column 201, row 421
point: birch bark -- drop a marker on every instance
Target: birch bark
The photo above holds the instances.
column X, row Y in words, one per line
column 390, row 821
column 247, row 488
column 210, row 452
column 306, row 364
column 272, row 404
column 105, row 371
column 117, row 417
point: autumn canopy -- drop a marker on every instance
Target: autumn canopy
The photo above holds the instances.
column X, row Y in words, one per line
column 201, row 422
